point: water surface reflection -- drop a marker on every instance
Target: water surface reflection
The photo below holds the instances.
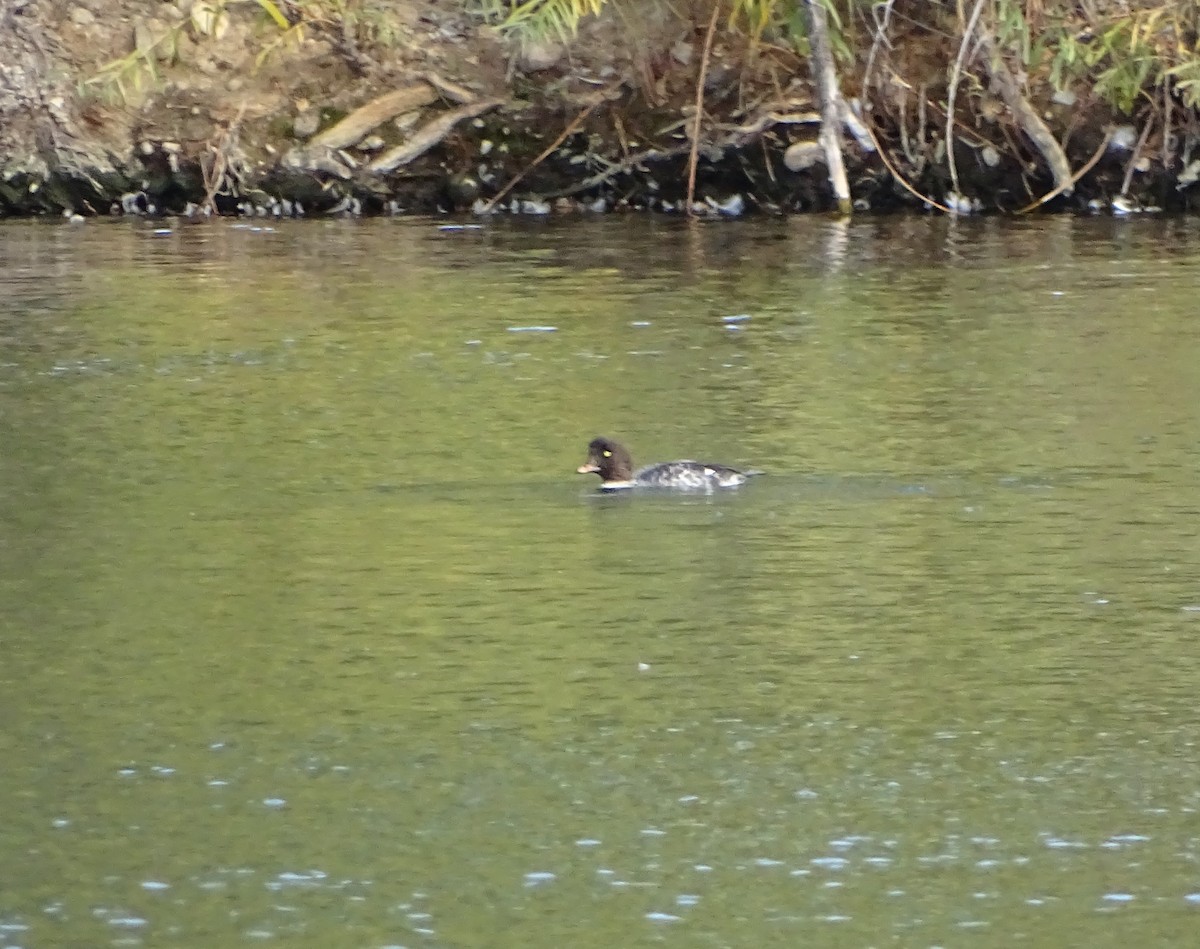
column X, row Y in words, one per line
column 313, row 635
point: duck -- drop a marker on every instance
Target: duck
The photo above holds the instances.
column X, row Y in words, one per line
column 613, row 463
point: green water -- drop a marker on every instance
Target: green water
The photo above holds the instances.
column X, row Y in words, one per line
column 311, row 636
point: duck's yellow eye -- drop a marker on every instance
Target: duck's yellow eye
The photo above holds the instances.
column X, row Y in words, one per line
column 608, row 454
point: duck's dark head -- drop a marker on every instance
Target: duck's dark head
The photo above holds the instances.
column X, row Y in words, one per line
column 609, row 460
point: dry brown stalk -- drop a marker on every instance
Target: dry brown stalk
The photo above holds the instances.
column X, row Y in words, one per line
column 693, row 156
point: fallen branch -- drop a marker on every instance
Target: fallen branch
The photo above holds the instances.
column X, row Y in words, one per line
column 452, row 91
column 1027, row 118
column 429, row 135
column 746, row 133
column 831, row 117
column 855, row 126
column 357, row 124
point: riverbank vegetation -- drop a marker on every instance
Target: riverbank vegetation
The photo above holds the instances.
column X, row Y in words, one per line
column 682, row 106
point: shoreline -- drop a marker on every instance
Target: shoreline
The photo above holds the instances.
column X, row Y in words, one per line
column 221, row 117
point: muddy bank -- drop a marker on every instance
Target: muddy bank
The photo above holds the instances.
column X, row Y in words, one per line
column 418, row 107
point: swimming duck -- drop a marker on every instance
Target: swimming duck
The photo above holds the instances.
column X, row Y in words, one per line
column 612, row 462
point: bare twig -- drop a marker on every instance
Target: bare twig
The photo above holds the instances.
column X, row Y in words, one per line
column 621, row 168
column 900, row 179
column 902, row 123
column 1167, row 152
column 1070, row 183
column 767, row 161
column 693, row 156
column 1131, row 166
column 547, row 151
column 743, row 134
column 922, row 121
column 622, row 138
column 216, row 165
column 950, row 96
column 881, row 28
column 964, row 131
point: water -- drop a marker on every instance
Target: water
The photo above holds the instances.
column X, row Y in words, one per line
column 312, row 636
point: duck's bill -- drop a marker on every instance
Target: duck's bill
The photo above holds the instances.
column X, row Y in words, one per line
column 587, row 469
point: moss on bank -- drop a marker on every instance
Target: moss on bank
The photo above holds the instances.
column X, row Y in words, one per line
column 361, row 106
